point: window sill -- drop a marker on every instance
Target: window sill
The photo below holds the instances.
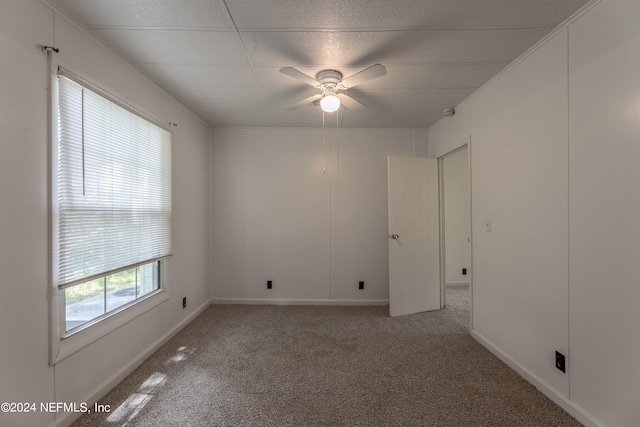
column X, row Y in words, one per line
column 79, row 339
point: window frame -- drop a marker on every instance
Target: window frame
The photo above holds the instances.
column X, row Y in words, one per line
column 66, row 333
column 62, row 343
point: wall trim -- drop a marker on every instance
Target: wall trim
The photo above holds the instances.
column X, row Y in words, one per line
column 464, row 284
column 120, row 375
column 569, row 406
column 284, row 301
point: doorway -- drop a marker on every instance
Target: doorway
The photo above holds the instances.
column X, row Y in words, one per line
column 455, row 205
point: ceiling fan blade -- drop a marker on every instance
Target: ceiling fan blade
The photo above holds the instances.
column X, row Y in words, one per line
column 351, row 103
column 292, row 72
column 305, row 101
column 365, row 75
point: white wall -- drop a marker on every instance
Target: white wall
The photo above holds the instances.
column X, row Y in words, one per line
column 519, row 182
column 305, row 209
column 604, row 211
column 25, row 374
column 457, row 216
column 24, row 353
column 555, row 161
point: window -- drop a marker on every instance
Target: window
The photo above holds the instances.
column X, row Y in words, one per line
column 93, row 299
column 111, row 204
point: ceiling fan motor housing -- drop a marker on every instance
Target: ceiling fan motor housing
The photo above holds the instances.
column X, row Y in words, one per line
column 329, row 77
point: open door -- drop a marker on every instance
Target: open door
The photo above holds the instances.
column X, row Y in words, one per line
column 414, row 235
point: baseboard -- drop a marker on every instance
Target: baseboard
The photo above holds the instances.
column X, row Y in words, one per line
column 570, row 407
column 109, row 384
column 457, row 284
column 276, row 301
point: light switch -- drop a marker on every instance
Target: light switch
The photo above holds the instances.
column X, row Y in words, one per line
column 487, row 225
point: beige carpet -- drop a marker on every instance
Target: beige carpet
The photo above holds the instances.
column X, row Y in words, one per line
column 326, row 366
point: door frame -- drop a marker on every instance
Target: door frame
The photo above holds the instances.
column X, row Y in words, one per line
column 466, row 143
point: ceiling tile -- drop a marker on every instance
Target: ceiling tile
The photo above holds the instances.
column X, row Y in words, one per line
column 263, row 117
column 176, row 46
column 268, row 98
column 211, row 76
column 418, row 97
column 394, row 116
column 388, row 47
column 367, row 14
column 459, row 75
column 145, row 13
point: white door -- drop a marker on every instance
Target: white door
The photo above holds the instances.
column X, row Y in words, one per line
column 414, row 230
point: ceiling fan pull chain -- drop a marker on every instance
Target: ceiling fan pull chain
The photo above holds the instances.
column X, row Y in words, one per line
column 324, row 147
column 337, row 144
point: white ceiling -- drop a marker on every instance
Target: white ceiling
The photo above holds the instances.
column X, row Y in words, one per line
column 221, row 58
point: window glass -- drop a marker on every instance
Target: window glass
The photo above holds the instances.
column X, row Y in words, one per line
column 92, row 300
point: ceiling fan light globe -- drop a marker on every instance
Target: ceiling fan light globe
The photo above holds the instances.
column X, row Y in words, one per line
column 330, row 103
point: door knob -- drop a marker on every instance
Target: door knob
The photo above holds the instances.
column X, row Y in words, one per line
column 395, row 236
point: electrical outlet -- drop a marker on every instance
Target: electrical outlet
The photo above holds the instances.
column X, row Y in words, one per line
column 560, row 362
column 361, row 284
column 464, row 271
column 269, row 284
column 184, row 302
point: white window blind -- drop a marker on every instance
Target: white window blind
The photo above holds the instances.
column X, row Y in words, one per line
column 112, row 201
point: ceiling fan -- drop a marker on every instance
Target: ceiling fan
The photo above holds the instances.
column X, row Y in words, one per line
column 333, row 88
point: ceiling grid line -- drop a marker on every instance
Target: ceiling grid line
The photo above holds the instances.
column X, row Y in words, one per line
column 392, row 29
column 318, row 30
column 239, row 37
